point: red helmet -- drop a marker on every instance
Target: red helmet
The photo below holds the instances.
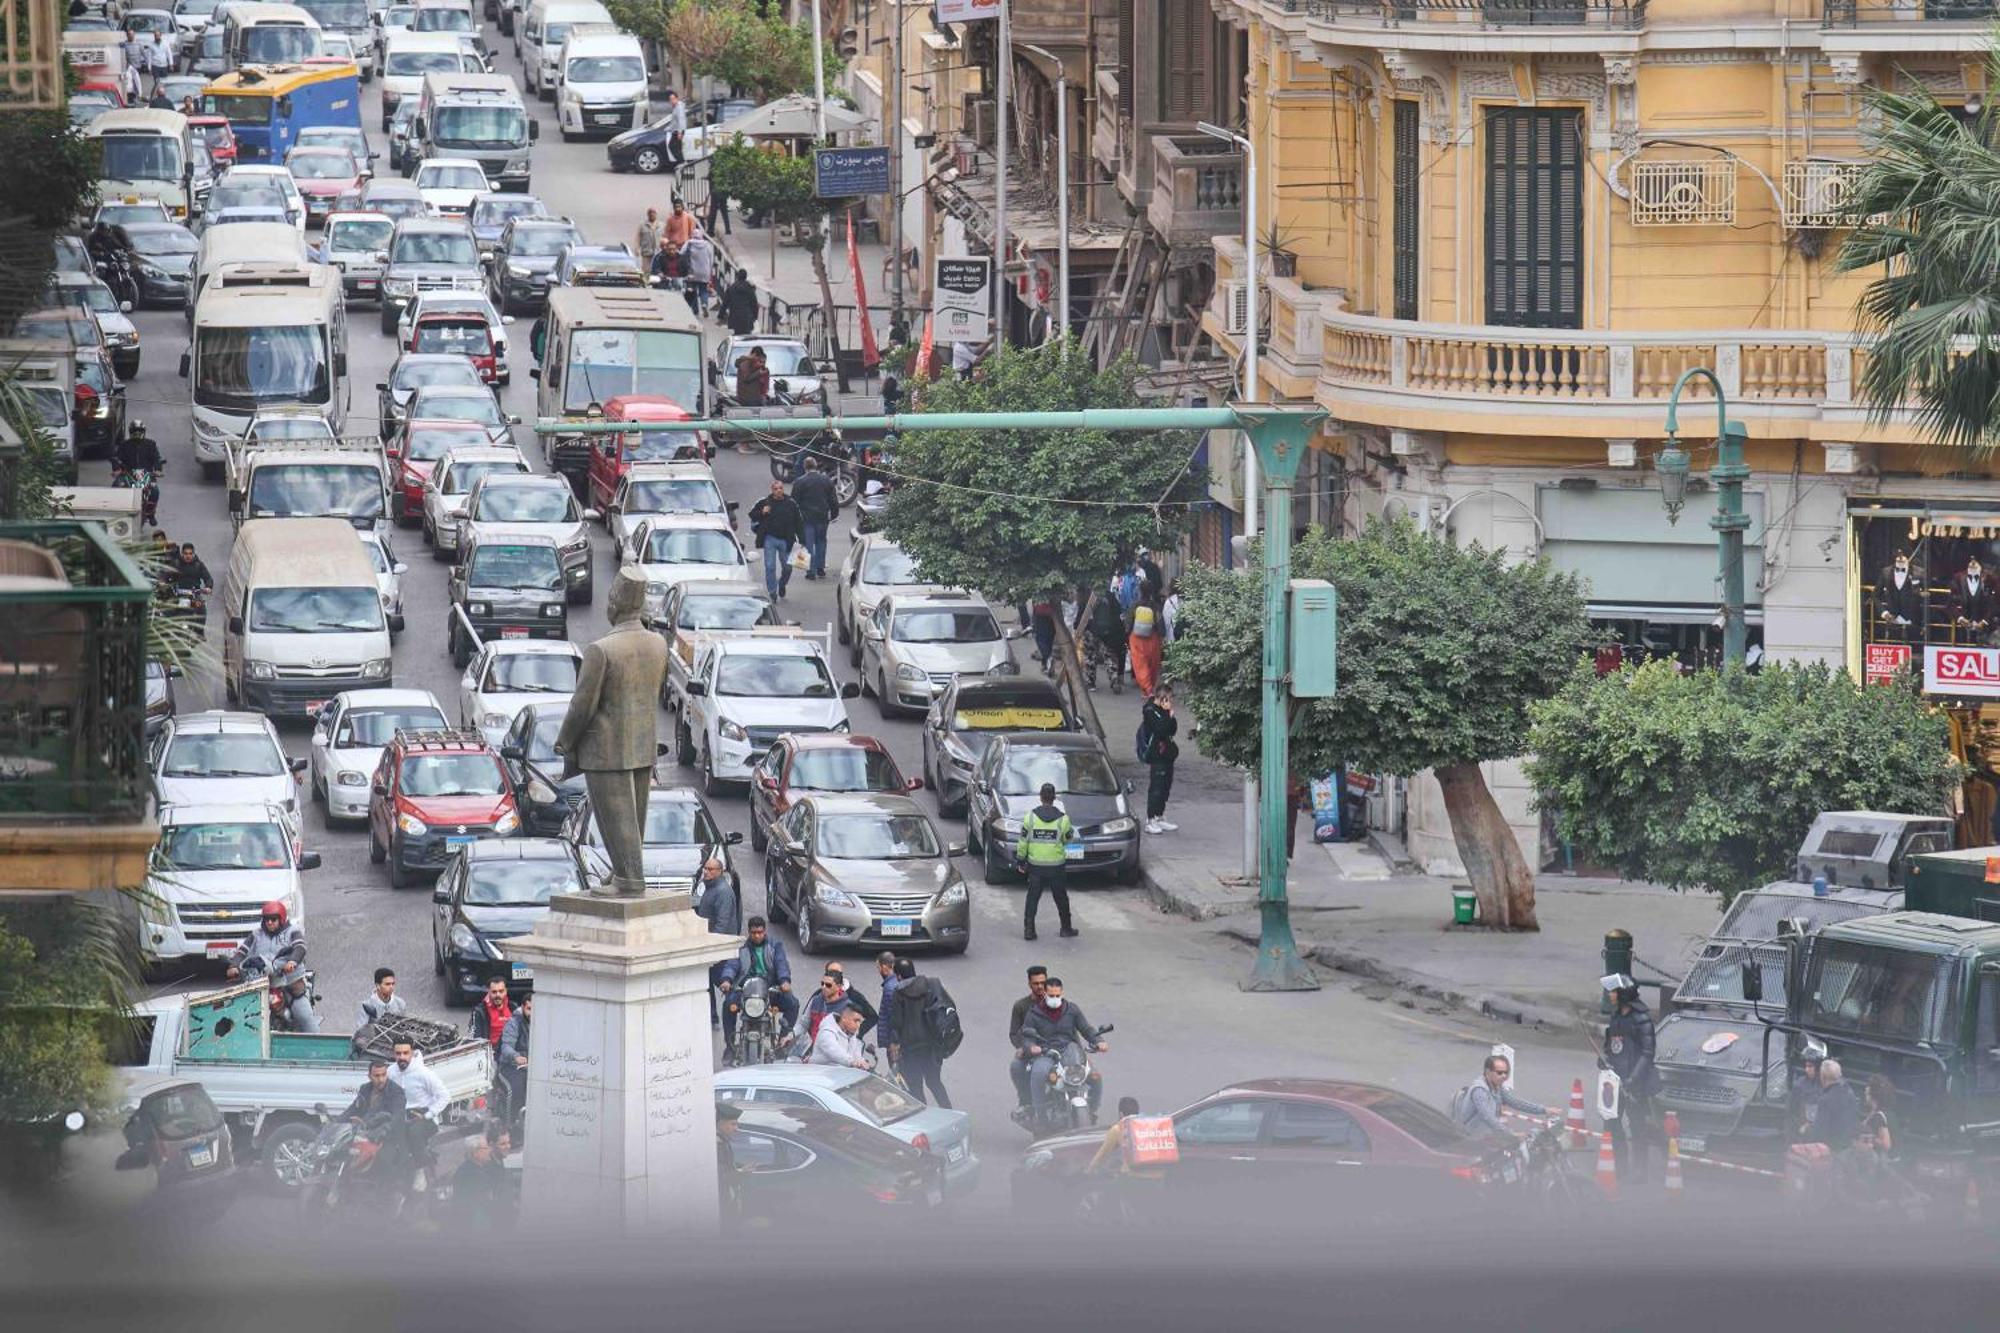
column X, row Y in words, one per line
column 274, row 908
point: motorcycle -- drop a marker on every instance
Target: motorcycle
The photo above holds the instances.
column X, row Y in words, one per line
column 116, row 270
column 1068, row 1099
column 830, row 448
column 186, row 603
column 287, row 989
column 1541, row 1163
column 351, row 1162
column 148, row 484
column 757, row 1024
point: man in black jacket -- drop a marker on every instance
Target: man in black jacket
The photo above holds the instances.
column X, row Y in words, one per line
column 916, row 1051
column 378, row 1096
column 1628, row 1051
column 1037, row 978
column 813, row 494
column 739, row 306
column 777, row 524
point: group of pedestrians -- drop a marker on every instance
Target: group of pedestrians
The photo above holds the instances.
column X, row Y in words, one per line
column 146, row 53
column 677, row 250
column 783, row 521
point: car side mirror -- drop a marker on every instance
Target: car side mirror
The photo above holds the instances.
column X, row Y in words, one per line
column 913, row 784
column 534, row 372
column 697, row 687
column 236, row 502
column 660, row 750
column 1129, row 788
column 236, row 624
column 1753, row 980
column 381, row 386
column 850, row 691
column 514, row 752
column 399, row 568
column 296, row 765
column 380, row 789
column 506, row 319
column 174, row 671
column 534, row 130
column 513, row 420
column 441, row 896
column 124, row 307
column 954, row 849
column 309, row 861
column 184, row 365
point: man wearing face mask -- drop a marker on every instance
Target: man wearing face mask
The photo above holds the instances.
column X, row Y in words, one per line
column 1899, row 598
column 1973, row 603
column 1051, row 1025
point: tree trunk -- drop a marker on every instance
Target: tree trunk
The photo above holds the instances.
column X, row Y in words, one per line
column 1069, row 679
column 1493, row 862
column 826, row 304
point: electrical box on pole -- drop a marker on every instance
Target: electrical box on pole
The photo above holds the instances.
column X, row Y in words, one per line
column 1315, row 621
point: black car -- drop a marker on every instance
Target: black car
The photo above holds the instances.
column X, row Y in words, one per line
column 517, row 277
column 492, row 890
column 794, row 1166
column 542, row 794
column 490, row 214
column 161, row 256
column 966, row 717
column 1099, row 803
column 643, row 150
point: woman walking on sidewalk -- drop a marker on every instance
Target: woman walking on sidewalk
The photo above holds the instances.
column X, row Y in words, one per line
column 1145, row 643
column 1157, row 726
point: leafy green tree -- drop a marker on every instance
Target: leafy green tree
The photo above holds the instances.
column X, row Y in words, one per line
column 1710, row 780
column 1442, row 650
column 52, row 181
column 764, row 179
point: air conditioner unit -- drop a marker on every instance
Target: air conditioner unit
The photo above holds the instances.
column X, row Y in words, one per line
column 979, row 117
column 1234, row 303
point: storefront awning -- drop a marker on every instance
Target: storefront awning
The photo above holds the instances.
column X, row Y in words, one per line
column 1665, row 615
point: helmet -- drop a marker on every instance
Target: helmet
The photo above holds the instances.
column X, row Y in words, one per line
column 138, row 428
column 277, row 909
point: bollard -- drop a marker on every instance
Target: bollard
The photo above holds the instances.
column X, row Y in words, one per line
column 1617, row 958
column 1673, row 1128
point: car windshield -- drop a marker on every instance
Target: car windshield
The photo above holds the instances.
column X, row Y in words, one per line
column 477, row 407
column 677, row 824
column 396, row 204
column 181, row 1113
column 365, row 234
column 532, row 673
column 430, row 444
column 140, row 157
column 540, row 241
column 92, row 296
column 661, row 446
column 337, row 13
column 453, row 374
column 1878, row 992
column 723, row 611
column 278, row 44
column 691, row 546
column 774, row 676
column 441, row 19
column 451, row 775
column 223, row 754
column 881, row 1101
column 541, row 738
column 605, row 363
column 245, row 194
column 322, row 165
column 526, row 504
column 680, row 495
column 984, row 711
column 316, row 610
column 163, row 240
column 447, row 176
column 333, row 136
column 1082, row 772
column 307, row 490
column 375, row 727
column 888, row 565
column 844, row 768
column 515, row 567
column 482, row 127
column 605, row 69
column 217, row 136
column 261, row 846
column 876, row 837
column 977, row 626
column 495, row 212
column 529, row 882
column 195, row 8
column 288, row 428
column 241, row 367
column 465, row 476
column 51, row 405
column 466, row 337
column 782, row 358
column 118, row 215
column 435, row 247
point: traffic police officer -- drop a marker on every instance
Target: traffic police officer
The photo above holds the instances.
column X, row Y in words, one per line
column 1042, row 849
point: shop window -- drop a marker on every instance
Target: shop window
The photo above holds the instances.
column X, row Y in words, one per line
column 1928, row 579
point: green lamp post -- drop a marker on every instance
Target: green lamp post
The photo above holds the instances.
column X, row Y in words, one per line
column 1730, row 520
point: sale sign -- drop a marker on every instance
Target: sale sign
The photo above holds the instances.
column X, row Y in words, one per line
column 1882, row 661
column 1962, row 671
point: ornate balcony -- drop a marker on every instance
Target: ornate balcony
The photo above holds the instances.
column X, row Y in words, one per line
column 1853, row 13
column 1623, row 14
column 1197, row 189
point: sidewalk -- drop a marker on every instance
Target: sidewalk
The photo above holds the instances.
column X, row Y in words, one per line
column 793, row 282
column 1351, row 914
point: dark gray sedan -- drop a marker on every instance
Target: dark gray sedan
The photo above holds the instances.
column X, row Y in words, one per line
column 865, row 870
column 1007, row 783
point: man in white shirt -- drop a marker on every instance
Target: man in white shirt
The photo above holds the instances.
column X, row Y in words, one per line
column 424, row 1099
column 839, row 1042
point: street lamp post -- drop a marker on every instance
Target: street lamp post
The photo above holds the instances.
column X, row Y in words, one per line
column 1062, row 185
column 1730, row 520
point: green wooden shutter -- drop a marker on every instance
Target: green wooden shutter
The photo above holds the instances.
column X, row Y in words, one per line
column 1404, row 222
column 1185, row 75
column 1534, row 218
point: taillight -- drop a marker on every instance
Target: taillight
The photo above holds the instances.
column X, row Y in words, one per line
column 885, row 1195
column 922, row 1142
column 479, row 1103
column 1471, row 1173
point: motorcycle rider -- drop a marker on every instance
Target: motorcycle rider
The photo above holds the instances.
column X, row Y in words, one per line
column 1478, row 1110
column 834, row 996
column 423, row 1102
column 382, row 1002
column 1038, row 977
column 378, row 1096
column 190, row 574
column 137, row 452
column 1628, row 1052
column 763, row 957
column 277, row 948
column 1049, row 1026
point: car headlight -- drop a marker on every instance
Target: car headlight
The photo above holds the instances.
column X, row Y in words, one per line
column 732, row 732
column 540, row 792
column 376, row 669
column 348, row 777
column 907, row 672
column 1007, row 668
column 124, row 339
column 208, row 433
column 507, row 823
column 1011, row 827
column 465, row 940
column 580, row 545
column 411, row 825
column 520, row 271
column 477, row 608
column 1037, row 1159
column 399, row 286
column 1111, row 826
column 842, row 727
column 553, row 611
column 829, row 896
column 260, row 670
column 494, row 719
column 950, row 896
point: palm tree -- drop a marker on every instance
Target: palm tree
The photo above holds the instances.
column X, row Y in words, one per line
column 1926, row 212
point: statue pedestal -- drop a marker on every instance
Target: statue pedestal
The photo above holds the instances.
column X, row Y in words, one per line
column 620, row 1123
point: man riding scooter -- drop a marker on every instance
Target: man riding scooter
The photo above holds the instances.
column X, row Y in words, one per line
column 136, row 461
column 277, row 948
column 1049, row 1025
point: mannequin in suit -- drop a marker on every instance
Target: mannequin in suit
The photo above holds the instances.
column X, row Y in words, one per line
column 1974, row 605
column 1899, row 598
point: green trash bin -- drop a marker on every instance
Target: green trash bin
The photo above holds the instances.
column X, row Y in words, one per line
column 1464, row 906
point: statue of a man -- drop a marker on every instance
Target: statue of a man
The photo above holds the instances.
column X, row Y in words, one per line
column 610, row 733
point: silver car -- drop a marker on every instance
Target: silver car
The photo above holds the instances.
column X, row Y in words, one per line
column 874, row 568
column 866, row 870
column 868, row 1098
column 524, row 503
column 679, row 837
column 916, row 643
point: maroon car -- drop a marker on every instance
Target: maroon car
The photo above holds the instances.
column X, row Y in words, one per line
column 818, row 761
column 1270, row 1142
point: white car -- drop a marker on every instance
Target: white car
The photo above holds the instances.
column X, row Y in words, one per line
column 793, row 370
column 507, row 675
column 448, row 184
column 649, row 490
column 744, row 693
column 857, row 1094
column 528, row 505
column 450, row 485
column 350, row 731
column 669, row 548
column 295, row 203
column 211, row 872
column 389, row 573
column 217, row 757
column 874, row 568
column 472, row 303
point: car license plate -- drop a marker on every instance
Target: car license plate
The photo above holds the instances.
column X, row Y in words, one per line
column 956, row 1153
column 220, row 946
column 896, row 926
column 1693, row 1143
column 513, row 632
column 364, row 282
column 522, row 972
column 459, row 840
column 607, row 120
column 203, row 1156
column 1072, row 851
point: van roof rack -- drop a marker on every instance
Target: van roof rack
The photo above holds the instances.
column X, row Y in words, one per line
column 439, row 738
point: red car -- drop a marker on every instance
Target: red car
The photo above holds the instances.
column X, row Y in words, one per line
column 434, row 792
column 456, row 333
column 1271, row 1143
column 220, row 138
column 818, row 761
column 324, row 176
column 611, row 456
column 413, row 451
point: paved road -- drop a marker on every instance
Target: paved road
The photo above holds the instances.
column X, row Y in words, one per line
column 1184, row 1028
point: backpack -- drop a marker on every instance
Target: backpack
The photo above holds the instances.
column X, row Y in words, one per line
column 1461, row 1106
column 941, row 1017
column 1142, row 739
column 1143, row 621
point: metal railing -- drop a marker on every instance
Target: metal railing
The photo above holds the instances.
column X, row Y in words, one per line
column 1197, row 186
column 1852, row 13
column 1491, row 13
column 72, row 675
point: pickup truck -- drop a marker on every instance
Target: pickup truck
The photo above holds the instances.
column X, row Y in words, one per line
column 346, row 478
column 746, row 689
column 271, row 1086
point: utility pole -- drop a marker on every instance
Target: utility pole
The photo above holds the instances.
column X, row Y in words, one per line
column 896, row 161
column 1062, row 186
column 1729, row 520
column 819, row 87
column 1001, row 97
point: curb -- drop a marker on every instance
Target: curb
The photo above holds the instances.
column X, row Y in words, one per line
column 1179, row 903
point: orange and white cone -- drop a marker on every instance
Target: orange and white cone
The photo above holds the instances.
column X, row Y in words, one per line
column 1673, row 1126
column 1579, row 1132
column 1607, row 1167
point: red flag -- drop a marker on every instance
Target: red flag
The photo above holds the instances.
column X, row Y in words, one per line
column 871, row 355
column 925, row 351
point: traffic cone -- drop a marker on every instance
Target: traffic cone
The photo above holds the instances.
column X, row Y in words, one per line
column 1579, row 1132
column 1607, row 1167
column 1673, row 1126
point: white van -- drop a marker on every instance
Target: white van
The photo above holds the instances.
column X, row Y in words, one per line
column 601, row 82
column 303, row 616
column 542, row 34
column 268, row 34
column 411, row 55
column 242, row 243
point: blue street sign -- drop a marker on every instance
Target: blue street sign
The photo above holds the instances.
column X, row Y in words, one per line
column 839, row 173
